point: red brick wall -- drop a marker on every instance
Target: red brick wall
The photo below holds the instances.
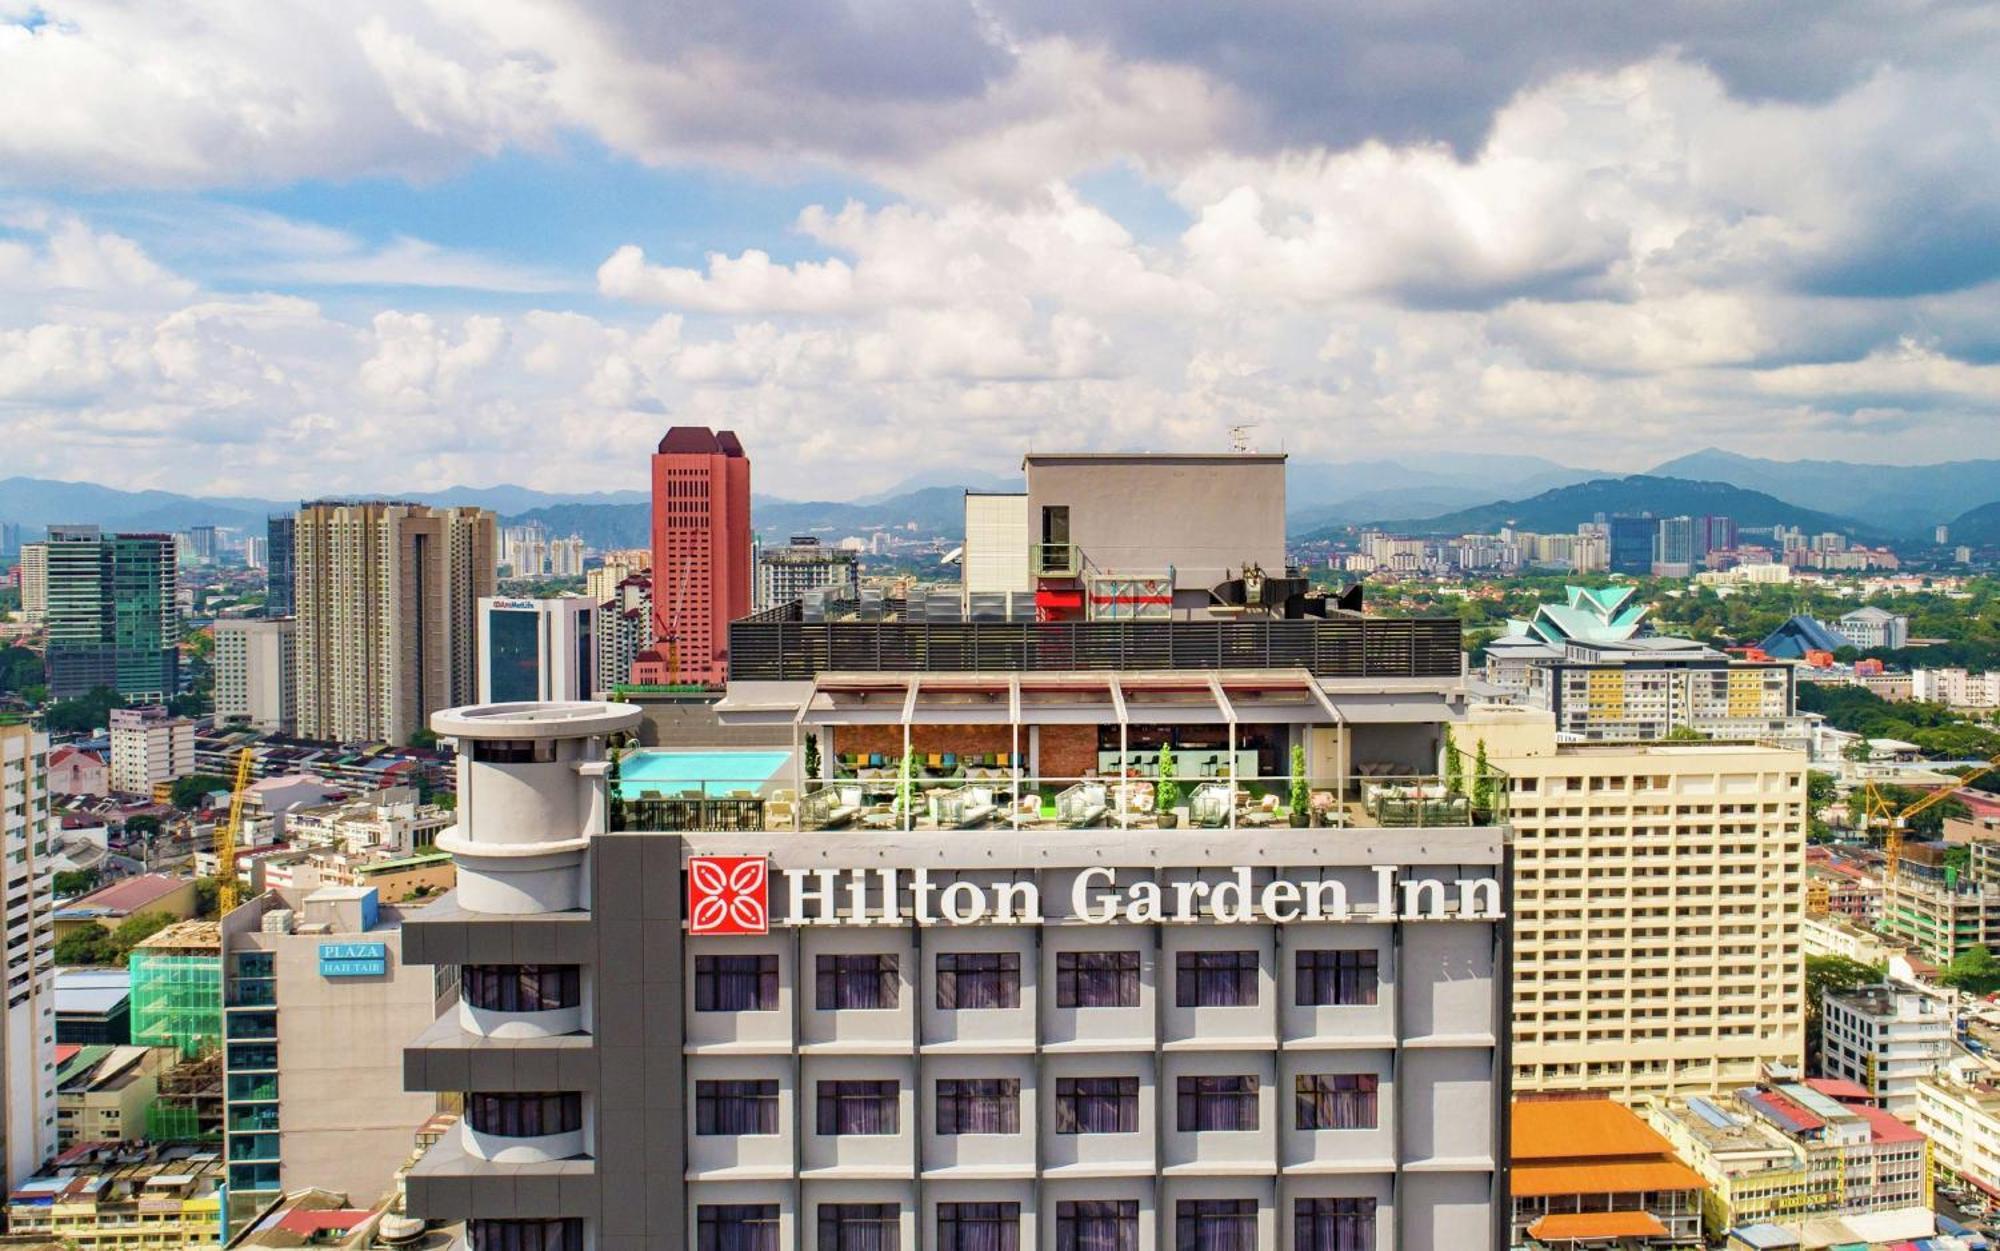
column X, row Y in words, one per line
column 959, row 740
column 1068, row 751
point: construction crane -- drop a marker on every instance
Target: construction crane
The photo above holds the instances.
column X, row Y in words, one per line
column 228, row 832
column 1876, row 806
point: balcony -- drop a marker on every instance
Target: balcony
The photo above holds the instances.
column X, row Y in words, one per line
column 1054, row 560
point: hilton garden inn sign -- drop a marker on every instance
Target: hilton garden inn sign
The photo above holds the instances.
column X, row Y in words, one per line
column 732, row 895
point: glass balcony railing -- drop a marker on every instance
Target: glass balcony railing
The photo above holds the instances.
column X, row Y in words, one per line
column 252, row 1148
column 1054, row 560
column 252, row 992
column 252, row 1087
column 253, row 1025
column 979, row 795
column 253, row 1119
column 252, row 1057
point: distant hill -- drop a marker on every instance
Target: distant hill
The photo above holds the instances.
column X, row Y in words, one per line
column 1564, row 508
column 1902, row 499
column 1978, row 526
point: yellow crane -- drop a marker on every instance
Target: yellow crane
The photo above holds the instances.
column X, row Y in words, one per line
column 1876, row 806
column 227, row 833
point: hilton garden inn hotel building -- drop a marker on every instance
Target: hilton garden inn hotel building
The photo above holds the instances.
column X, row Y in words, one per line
column 1022, row 1037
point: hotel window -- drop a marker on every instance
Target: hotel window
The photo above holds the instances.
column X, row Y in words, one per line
column 1097, row 1105
column 521, row 987
column 978, row 1105
column 1215, row 1225
column 736, row 1227
column 524, row 1115
column 562, row 1234
column 1327, row 978
column 1217, row 1102
column 1333, row 1225
column 1097, row 1225
column 733, row 1108
column 860, row 1227
column 978, row 979
column 855, row 983
column 858, row 1107
column 1335, row 1100
column 736, row 983
column 1097, row 979
column 1216, row 979
column 979, row 1227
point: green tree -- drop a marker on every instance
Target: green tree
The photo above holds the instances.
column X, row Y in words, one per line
column 188, row 792
column 1824, row 973
column 207, row 897
column 1976, row 972
column 145, row 825
column 20, row 670
column 136, row 929
column 73, row 882
column 84, row 713
column 425, row 738
column 1167, row 794
column 87, row 944
column 1686, row 734
column 1820, row 793
column 1301, row 796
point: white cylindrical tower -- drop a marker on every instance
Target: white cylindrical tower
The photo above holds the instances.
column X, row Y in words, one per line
column 532, row 789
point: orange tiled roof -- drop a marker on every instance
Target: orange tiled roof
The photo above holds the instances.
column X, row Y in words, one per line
column 1562, row 1225
column 1535, row 1180
column 1581, row 1129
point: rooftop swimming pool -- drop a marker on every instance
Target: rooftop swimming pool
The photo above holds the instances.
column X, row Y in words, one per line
column 713, row 773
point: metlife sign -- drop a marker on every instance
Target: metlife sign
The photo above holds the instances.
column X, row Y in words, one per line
column 353, row 959
column 731, row 895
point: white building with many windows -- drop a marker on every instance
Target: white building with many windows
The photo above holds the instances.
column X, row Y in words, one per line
column 1044, row 1035
column 27, row 1018
column 1884, row 1039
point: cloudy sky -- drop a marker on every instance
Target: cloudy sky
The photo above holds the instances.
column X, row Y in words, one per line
column 280, row 246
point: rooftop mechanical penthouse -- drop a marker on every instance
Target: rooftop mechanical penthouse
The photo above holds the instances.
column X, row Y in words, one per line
column 1024, row 1034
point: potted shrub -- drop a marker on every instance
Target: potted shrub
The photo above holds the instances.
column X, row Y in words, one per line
column 1301, row 797
column 812, row 757
column 1167, row 794
column 1482, row 783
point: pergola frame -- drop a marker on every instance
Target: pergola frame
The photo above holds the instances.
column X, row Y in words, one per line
column 844, row 699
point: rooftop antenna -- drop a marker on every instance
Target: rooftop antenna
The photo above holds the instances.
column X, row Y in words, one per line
column 1239, row 437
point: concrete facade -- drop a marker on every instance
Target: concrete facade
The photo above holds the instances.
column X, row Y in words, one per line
column 1659, row 892
column 701, row 550
column 256, row 673
column 314, row 1050
column 27, row 1018
column 536, row 649
column 1884, row 1039
column 148, row 747
column 596, row 1102
column 1201, row 518
column 387, row 598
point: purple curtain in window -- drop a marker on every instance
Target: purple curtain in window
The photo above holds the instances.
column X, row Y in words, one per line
column 736, row 983
column 979, row 1105
column 852, row 983
column 1097, row 979
column 1336, row 1100
column 737, row 1227
column 980, row 1227
column 1216, row 979
column 1215, row 1225
column 1097, row 1105
column 1333, row 1225
column 731, row 1108
column 1217, row 1103
column 978, row 979
column 858, row 1107
column 1097, row 1225
column 859, row 1227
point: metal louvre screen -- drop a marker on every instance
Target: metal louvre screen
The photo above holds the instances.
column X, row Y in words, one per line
column 774, row 647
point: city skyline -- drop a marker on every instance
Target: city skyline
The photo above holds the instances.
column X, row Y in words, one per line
column 511, row 246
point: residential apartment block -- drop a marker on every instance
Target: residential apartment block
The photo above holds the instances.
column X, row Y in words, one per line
column 785, row 573
column 1884, row 1039
column 1957, row 687
column 1960, row 1114
column 1658, row 896
column 27, row 906
column 149, row 746
column 256, row 673
column 34, row 579
column 387, row 615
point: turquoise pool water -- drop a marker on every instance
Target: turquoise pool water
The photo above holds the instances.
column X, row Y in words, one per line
column 713, row 772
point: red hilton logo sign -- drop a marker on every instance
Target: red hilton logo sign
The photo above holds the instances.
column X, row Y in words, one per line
column 729, row 895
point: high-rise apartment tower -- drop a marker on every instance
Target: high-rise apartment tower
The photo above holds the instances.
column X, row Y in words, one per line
column 701, row 549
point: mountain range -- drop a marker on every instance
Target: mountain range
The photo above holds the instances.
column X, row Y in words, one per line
column 1562, row 509
column 1441, row 492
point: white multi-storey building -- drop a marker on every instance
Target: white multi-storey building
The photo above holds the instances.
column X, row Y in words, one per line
column 256, row 674
column 1884, row 1039
column 1874, row 627
column 34, row 581
column 536, row 649
column 1658, row 895
column 1957, row 687
column 1962, row 1120
column 27, row 1019
column 149, row 746
column 1170, row 1040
